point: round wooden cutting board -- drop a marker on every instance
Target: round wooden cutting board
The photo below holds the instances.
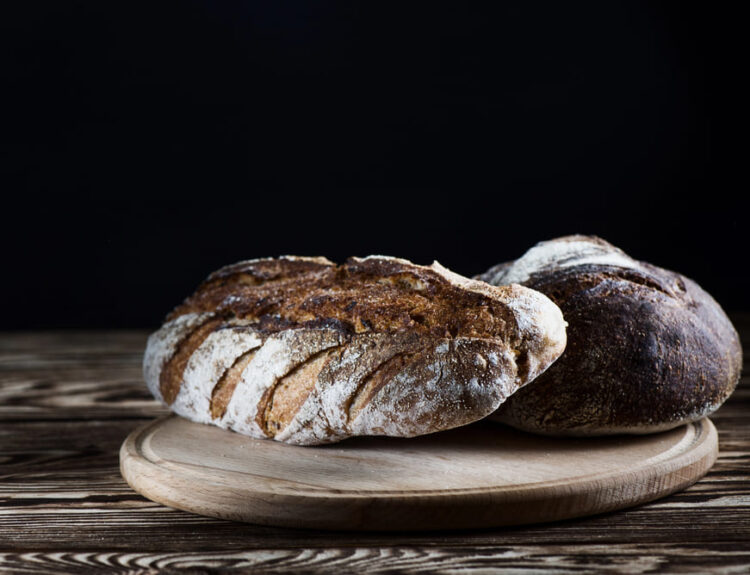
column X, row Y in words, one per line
column 481, row 475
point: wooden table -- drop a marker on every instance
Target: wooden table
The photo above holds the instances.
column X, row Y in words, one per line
column 68, row 399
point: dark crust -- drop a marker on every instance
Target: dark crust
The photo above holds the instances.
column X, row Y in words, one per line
column 378, row 295
column 647, row 349
column 271, row 268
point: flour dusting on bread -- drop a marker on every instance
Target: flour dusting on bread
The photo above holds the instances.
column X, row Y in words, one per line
column 557, row 254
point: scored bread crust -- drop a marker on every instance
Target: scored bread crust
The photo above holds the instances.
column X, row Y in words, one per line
column 648, row 349
column 305, row 351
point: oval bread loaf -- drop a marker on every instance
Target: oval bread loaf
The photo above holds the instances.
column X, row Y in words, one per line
column 307, row 352
column 648, row 349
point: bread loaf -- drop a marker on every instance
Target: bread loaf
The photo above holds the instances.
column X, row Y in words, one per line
column 648, row 349
column 306, row 352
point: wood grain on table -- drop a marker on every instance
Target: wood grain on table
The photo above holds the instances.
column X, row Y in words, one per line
column 68, row 399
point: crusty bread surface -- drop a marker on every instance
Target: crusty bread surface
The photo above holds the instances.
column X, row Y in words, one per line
column 305, row 351
column 648, row 349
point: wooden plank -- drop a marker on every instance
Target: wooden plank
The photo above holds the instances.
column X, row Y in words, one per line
column 524, row 559
column 49, row 491
column 67, row 400
column 62, row 484
column 77, row 375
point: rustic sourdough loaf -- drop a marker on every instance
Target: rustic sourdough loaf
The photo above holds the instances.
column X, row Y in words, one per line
column 305, row 351
column 647, row 350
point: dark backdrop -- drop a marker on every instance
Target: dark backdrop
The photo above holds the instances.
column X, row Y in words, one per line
column 145, row 144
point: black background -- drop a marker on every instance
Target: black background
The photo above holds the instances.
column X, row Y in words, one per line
column 146, row 144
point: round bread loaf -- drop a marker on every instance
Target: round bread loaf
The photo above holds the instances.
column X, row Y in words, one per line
column 647, row 349
column 304, row 351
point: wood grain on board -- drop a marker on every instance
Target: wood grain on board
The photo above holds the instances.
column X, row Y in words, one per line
column 68, row 400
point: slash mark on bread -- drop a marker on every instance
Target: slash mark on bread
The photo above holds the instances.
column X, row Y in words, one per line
column 224, row 388
column 170, row 378
column 281, row 402
column 375, row 381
